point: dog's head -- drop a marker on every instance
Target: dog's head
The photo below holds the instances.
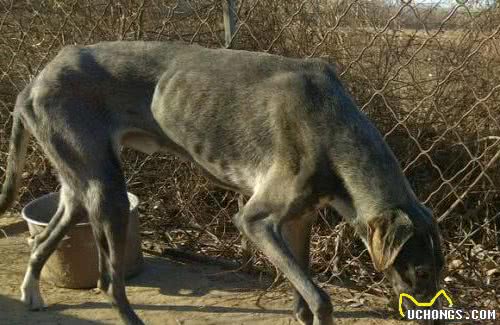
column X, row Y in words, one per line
column 407, row 248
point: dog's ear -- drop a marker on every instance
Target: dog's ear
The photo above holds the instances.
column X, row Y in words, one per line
column 386, row 235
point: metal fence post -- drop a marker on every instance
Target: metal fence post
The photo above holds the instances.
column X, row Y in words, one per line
column 229, row 12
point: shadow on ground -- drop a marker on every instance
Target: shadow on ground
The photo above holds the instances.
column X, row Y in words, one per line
column 166, row 292
column 14, row 312
column 178, row 279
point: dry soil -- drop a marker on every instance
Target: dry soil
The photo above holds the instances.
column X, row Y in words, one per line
column 167, row 292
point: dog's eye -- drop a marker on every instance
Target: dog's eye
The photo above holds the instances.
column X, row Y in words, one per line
column 422, row 273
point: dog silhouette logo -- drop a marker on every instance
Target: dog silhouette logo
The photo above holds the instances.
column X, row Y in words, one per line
column 423, row 304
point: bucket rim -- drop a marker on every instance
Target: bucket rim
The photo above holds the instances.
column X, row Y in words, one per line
column 132, row 198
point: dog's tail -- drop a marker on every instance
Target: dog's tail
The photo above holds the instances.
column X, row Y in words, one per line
column 15, row 161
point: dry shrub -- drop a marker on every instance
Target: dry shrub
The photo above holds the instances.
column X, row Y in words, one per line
column 429, row 77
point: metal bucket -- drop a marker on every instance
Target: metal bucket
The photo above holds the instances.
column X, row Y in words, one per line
column 74, row 264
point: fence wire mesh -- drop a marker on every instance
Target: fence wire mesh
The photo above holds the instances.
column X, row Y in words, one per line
column 427, row 74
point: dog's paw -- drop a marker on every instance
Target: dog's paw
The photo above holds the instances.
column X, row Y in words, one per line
column 31, row 296
column 303, row 321
column 327, row 321
column 33, row 300
column 304, row 317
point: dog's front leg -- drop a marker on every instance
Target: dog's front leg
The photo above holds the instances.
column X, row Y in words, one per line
column 297, row 234
column 246, row 249
column 263, row 227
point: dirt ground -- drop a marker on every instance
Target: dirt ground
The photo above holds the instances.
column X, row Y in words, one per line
column 166, row 292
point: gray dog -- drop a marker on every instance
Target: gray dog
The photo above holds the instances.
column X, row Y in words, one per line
column 282, row 131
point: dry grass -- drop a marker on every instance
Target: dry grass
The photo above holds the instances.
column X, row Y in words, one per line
column 429, row 79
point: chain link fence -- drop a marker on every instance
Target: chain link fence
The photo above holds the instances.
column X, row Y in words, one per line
column 428, row 75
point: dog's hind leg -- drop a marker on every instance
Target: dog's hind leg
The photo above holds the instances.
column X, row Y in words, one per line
column 108, row 207
column 44, row 244
column 80, row 143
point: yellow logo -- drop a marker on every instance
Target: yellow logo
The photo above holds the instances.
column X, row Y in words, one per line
column 422, row 304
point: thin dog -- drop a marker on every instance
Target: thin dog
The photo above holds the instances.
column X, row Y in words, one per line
column 282, row 131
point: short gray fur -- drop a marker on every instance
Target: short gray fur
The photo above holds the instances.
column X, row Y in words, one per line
column 281, row 131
